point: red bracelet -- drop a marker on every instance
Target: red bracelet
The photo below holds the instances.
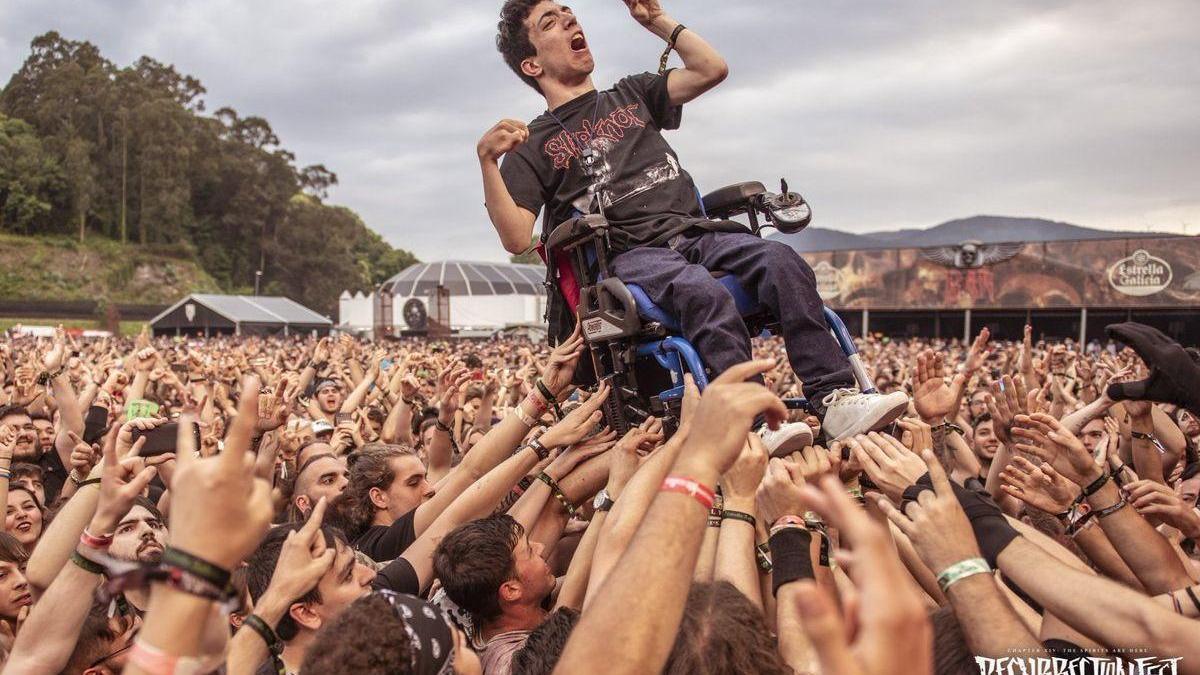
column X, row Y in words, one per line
column 92, row 541
column 539, row 404
column 684, row 485
column 153, row 660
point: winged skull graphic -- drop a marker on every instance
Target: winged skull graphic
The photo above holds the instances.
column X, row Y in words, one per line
column 971, row 254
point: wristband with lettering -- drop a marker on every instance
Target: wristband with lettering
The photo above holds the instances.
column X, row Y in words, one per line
column 961, row 570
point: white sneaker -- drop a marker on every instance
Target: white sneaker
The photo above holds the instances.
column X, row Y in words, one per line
column 785, row 440
column 849, row 412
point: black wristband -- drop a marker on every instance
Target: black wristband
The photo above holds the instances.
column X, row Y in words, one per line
column 912, row 492
column 791, row 557
column 90, row 481
column 551, row 399
column 265, row 632
column 992, row 531
column 542, row 451
column 85, row 564
column 823, row 560
column 441, row 427
column 213, row 574
column 1094, row 486
column 739, row 515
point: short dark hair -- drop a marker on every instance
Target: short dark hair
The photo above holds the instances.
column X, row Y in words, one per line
column 362, row 639
column 545, row 644
column 723, row 632
column 23, row 469
column 475, row 559
column 512, row 37
column 7, row 410
column 96, row 638
column 260, row 567
column 985, row 417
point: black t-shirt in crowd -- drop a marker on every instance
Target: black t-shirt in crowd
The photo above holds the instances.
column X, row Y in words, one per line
column 386, row 542
column 648, row 197
column 54, row 474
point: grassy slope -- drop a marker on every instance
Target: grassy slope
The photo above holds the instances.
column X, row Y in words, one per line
column 60, row 268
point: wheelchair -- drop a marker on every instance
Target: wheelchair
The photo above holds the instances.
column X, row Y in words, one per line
column 633, row 343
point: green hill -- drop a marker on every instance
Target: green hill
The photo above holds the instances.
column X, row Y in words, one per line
column 51, row 268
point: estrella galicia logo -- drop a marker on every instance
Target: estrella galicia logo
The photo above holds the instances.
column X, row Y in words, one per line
column 1140, row 274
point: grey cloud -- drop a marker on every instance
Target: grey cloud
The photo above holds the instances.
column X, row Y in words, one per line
column 884, row 114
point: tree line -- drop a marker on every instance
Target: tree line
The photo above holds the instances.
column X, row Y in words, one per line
column 90, row 149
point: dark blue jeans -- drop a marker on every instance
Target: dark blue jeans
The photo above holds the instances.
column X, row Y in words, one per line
column 678, row 279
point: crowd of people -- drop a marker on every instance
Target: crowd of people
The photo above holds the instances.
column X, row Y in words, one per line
column 292, row 505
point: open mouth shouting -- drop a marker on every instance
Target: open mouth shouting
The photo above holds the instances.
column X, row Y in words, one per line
column 578, row 43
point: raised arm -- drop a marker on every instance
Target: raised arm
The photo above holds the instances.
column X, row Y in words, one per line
column 703, row 67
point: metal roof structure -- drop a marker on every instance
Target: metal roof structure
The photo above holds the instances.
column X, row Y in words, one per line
column 467, row 278
column 245, row 309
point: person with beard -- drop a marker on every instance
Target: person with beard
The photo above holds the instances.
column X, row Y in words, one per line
column 140, row 536
column 29, row 449
column 323, row 475
column 329, row 397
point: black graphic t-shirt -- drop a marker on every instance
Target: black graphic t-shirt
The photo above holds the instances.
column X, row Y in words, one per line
column 647, row 196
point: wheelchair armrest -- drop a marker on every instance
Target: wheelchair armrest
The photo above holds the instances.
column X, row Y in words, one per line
column 575, row 231
column 732, row 199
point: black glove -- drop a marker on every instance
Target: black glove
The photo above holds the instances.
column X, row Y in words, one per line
column 992, row 531
column 1174, row 371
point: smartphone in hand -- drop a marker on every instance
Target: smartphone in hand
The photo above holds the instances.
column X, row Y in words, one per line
column 163, row 439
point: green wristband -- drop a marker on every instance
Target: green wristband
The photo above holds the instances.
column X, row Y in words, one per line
column 961, row 570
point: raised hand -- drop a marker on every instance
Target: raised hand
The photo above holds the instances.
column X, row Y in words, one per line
column 570, row 458
column 724, row 416
column 644, row 11
column 887, row 462
column 935, row 523
column 893, row 627
column 272, row 410
column 741, row 480
column 779, row 493
column 933, row 399
column 303, row 558
column 502, row 138
column 1039, row 486
column 219, row 508
column 53, row 360
column 1160, row 504
column 563, row 360
column 1007, row 400
column 579, row 422
column 1047, row 439
column 121, row 482
column 978, row 352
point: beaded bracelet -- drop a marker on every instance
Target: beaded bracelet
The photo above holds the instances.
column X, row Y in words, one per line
column 558, row 493
column 961, row 570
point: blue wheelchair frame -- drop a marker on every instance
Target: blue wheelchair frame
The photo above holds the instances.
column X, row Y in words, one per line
column 671, row 351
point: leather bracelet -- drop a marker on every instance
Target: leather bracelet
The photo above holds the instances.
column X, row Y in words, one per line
column 86, row 565
column 550, row 398
column 90, row 481
column 1143, row 436
column 662, row 61
column 542, row 451
column 1094, row 487
column 739, row 515
column 762, row 554
column 1109, row 510
column 949, row 426
column 441, row 427
column 258, row 625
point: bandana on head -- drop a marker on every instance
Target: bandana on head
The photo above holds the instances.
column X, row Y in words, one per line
column 429, row 631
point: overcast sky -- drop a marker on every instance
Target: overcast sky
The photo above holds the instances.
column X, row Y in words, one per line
column 883, row 113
